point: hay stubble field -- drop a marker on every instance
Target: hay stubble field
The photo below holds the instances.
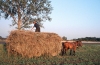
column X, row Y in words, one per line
column 89, row 54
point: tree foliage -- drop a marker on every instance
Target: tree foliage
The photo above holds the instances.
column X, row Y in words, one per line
column 88, row 39
column 24, row 12
column 64, row 38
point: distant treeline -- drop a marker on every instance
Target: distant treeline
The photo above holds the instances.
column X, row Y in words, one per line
column 1, row 38
column 88, row 39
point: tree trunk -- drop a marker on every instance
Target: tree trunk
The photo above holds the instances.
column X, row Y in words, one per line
column 19, row 19
column 19, row 24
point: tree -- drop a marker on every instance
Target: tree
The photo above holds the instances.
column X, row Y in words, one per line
column 24, row 12
column 0, row 37
column 64, row 38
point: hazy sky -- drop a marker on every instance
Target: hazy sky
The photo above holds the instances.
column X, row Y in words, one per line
column 70, row 18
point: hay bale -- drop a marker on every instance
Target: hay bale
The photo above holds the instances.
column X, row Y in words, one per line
column 32, row 44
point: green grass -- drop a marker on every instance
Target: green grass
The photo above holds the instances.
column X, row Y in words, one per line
column 86, row 55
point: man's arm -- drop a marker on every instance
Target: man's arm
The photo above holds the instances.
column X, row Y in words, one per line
column 32, row 28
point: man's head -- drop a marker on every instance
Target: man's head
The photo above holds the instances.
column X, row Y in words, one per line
column 34, row 22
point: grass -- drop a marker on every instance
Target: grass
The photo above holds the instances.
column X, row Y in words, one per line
column 86, row 55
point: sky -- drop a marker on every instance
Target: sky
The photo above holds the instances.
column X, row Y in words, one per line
column 70, row 18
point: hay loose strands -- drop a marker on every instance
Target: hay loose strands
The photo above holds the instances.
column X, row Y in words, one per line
column 33, row 44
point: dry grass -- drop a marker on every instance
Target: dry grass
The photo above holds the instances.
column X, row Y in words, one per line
column 30, row 44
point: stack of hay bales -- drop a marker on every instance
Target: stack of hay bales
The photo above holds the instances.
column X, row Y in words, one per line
column 33, row 44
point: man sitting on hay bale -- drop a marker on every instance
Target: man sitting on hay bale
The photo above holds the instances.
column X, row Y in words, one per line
column 37, row 26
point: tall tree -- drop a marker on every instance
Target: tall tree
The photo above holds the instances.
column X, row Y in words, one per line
column 24, row 12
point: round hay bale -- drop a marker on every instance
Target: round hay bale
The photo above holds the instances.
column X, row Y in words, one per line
column 32, row 44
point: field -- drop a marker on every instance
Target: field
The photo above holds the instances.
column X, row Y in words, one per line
column 89, row 54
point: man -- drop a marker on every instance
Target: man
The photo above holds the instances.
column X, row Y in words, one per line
column 37, row 26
